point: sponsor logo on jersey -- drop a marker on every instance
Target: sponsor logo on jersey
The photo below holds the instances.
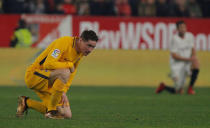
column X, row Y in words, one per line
column 55, row 53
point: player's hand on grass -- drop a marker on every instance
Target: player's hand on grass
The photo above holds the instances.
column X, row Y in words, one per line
column 64, row 100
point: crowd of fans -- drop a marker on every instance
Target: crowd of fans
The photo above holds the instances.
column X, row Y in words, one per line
column 147, row 8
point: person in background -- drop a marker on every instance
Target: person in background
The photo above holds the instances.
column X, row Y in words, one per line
column 1, row 6
column 134, row 7
column 123, row 8
column 22, row 37
column 102, row 7
column 183, row 61
column 181, row 9
column 194, row 8
column 162, row 8
column 147, row 8
column 69, row 7
column 83, row 7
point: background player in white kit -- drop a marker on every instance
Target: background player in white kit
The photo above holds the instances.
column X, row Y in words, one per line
column 183, row 61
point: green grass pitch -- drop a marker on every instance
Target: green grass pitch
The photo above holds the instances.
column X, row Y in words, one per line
column 114, row 107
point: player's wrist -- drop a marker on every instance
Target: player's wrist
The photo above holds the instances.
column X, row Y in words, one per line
column 189, row 59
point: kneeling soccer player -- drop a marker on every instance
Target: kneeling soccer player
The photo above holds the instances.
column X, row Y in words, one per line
column 51, row 74
column 183, row 61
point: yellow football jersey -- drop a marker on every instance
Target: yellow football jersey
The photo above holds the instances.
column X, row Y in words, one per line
column 61, row 53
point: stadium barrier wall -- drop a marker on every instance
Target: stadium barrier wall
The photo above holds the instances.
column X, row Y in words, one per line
column 104, row 67
column 114, row 32
column 8, row 23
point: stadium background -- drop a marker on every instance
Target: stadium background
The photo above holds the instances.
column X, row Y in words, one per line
column 131, row 51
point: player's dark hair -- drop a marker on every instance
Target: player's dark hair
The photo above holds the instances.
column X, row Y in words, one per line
column 89, row 35
column 179, row 23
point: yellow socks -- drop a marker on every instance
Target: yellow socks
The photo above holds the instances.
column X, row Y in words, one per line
column 53, row 100
column 36, row 105
column 57, row 91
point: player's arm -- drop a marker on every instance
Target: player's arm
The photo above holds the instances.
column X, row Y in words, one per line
column 52, row 60
column 73, row 73
column 195, row 62
column 178, row 57
column 193, row 52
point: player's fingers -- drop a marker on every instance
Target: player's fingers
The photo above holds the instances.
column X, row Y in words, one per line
column 65, row 101
column 62, row 101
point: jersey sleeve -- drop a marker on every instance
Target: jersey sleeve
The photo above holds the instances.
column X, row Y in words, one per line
column 173, row 46
column 56, row 52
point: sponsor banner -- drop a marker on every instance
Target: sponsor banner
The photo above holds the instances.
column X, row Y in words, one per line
column 46, row 28
column 114, row 32
column 141, row 33
column 8, row 23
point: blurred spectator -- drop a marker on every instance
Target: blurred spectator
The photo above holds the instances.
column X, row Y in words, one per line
column 64, row 7
column 69, row 7
column 205, row 6
column 29, row 6
column 134, row 7
column 40, row 7
column 83, row 7
column 14, row 6
column 122, row 8
column 194, row 8
column 162, row 8
column 50, row 6
column 22, row 36
column 181, row 9
column 147, row 8
column 102, row 7
column 59, row 9
column 1, row 4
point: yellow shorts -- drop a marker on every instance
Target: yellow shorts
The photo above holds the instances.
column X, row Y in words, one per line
column 37, row 80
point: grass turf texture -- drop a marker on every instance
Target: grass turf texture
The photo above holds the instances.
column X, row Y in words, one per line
column 114, row 107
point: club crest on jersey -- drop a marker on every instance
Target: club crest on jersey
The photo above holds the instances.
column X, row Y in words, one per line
column 55, row 53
